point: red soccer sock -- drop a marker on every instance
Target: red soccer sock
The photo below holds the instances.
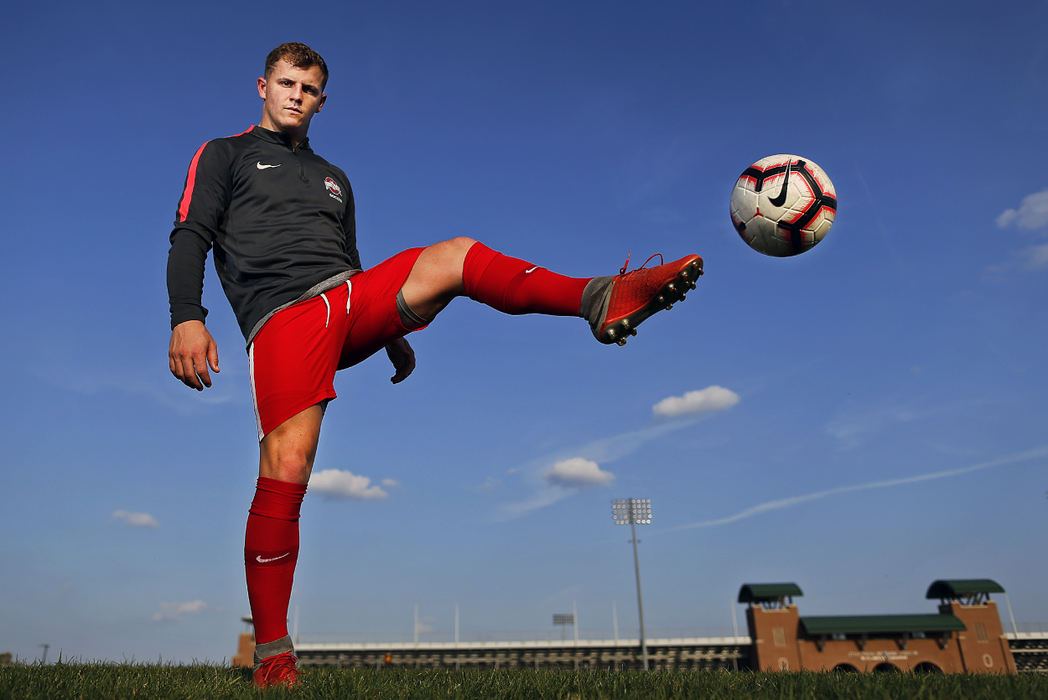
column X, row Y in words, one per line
column 517, row 287
column 270, row 554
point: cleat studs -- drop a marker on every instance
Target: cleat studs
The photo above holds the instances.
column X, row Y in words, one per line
column 671, row 287
column 669, row 306
column 625, row 323
column 661, row 299
column 682, row 296
column 633, row 332
column 621, row 342
column 611, row 334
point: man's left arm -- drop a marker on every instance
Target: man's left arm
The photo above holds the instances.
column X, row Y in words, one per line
column 402, row 357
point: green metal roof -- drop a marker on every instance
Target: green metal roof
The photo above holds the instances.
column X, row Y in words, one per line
column 763, row 592
column 879, row 624
column 959, row 587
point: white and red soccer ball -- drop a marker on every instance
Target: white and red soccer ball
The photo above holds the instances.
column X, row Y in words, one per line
column 783, row 205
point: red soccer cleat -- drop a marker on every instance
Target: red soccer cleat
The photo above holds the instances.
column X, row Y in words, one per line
column 280, row 671
column 615, row 306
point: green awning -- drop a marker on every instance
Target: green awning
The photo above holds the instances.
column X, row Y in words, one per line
column 960, row 587
column 818, row 625
column 768, row 592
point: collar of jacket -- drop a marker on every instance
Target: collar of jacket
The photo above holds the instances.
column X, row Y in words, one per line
column 278, row 137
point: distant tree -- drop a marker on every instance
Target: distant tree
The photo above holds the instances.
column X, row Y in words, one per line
column 5, row 659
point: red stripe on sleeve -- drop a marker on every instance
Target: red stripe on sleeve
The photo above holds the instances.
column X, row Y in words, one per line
column 187, row 193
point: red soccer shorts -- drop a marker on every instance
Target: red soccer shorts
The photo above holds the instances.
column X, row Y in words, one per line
column 294, row 357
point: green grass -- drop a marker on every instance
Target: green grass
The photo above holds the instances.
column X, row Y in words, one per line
column 141, row 681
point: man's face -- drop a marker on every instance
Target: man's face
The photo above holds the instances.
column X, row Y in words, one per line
column 291, row 96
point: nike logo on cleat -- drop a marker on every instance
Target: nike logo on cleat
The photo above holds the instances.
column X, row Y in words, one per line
column 528, row 272
column 262, row 166
column 260, row 560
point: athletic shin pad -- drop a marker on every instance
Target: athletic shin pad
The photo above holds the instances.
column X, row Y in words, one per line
column 518, row 287
column 270, row 555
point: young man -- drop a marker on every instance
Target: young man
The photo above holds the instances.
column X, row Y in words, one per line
column 281, row 222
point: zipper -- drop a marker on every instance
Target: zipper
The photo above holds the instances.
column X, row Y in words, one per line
column 301, row 170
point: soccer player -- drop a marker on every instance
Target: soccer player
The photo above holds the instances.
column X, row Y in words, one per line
column 280, row 220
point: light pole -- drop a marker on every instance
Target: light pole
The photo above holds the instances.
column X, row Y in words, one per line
column 633, row 512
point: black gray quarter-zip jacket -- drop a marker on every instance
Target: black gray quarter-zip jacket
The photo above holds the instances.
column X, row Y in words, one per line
column 280, row 220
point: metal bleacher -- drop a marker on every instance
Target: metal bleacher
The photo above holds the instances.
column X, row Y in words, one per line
column 1030, row 651
column 727, row 653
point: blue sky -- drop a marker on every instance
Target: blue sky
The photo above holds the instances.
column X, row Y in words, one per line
column 871, row 414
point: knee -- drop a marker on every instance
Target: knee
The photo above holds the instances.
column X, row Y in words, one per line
column 457, row 247
column 440, row 265
column 286, row 461
column 437, row 276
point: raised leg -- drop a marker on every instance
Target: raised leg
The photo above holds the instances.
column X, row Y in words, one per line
column 464, row 267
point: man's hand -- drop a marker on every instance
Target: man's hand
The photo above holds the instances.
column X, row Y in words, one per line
column 403, row 359
column 191, row 352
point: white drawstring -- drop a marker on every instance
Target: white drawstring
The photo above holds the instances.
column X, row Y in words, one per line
column 328, row 305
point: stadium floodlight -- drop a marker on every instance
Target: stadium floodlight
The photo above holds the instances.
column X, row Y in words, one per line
column 563, row 620
column 633, row 512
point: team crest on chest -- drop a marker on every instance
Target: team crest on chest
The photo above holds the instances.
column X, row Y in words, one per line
column 334, row 191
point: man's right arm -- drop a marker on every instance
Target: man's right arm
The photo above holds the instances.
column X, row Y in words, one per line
column 201, row 208
column 191, row 352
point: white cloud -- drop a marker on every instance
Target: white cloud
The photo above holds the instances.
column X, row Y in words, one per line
column 339, row 483
column 1031, row 214
column 390, row 483
column 173, row 611
column 1030, row 258
column 760, row 508
column 616, row 447
column 708, row 400
column 489, row 483
column 136, row 519
column 603, row 450
column 1037, row 256
column 545, row 497
column 577, row 472
column 853, row 426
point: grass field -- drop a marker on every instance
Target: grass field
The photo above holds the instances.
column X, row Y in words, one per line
column 142, row 681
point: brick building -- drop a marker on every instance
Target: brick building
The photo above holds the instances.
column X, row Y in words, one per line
column 965, row 636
